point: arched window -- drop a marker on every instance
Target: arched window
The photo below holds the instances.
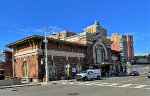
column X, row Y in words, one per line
column 100, row 54
column 25, row 69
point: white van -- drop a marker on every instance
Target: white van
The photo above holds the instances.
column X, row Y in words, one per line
column 89, row 75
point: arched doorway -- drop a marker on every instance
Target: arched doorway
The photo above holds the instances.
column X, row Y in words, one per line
column 99, row 54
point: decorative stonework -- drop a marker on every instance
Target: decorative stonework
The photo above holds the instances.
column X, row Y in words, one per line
column 99, row 42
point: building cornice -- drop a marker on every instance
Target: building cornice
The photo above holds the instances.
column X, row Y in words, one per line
column 49, row 52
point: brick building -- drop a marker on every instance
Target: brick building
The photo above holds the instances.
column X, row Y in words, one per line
column 89, row 49
column 6, row 64
column 29, row 54
column 98, row 53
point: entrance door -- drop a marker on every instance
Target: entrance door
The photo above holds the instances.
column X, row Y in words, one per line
column 25, row 70
column 78, row 67
column 52, row 70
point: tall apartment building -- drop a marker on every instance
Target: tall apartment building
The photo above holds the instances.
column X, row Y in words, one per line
column 95, row 28
column 62, row 35
column 124, row 44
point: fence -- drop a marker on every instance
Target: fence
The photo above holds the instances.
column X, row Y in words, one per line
column 141, row 68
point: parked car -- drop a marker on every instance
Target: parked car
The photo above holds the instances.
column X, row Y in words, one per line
column 89, row 75
column 134, row 73
column 148, row 74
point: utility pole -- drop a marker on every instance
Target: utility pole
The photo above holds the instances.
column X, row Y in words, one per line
column 46, row 65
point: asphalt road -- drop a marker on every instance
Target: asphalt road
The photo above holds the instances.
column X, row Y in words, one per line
column 114, row 86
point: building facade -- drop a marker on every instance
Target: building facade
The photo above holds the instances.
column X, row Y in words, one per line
column 124, row 44
column 6, row 64
column 99, row 53
column 62, row 35
column 142, row 59
column 29, row 56
column 89, row 49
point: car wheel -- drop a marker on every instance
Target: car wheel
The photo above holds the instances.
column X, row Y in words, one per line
column 77, row 79
column 98, row 77
column 85, row 78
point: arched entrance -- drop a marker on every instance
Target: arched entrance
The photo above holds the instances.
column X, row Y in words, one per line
column 99, row 54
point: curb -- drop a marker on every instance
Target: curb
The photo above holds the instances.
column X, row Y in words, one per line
column 23, row 85
column 36, row 84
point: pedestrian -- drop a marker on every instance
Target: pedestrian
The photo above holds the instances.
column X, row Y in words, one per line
column 68, row 73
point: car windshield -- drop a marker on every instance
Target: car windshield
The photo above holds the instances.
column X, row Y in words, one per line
column 134, row 71
column 84, row 72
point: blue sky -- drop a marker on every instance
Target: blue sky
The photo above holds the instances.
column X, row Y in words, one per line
column 21, row 18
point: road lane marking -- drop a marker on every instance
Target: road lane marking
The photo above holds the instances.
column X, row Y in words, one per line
column 126, row 85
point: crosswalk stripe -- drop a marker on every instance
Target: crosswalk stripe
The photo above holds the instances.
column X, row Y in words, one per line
column 102, row 84
column 108, row 84
column 71, row 83
column 112, row 84
column 82, row 83
column 91, row 83
column 140, row 86
column 126, row 85
column 64, row 83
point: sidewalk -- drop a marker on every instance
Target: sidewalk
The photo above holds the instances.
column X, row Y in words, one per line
column 37, row 84
column 22, row 85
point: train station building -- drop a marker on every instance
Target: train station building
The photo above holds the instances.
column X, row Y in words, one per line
column 89, row 49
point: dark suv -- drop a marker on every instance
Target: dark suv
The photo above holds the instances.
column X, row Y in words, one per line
column 134, row 73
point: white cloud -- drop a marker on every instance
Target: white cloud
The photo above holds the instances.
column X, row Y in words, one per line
column 130, row 33
column 35, row 31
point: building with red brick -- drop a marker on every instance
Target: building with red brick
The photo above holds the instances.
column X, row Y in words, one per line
column 6, row 64
column 89, row 49
column 29, row 55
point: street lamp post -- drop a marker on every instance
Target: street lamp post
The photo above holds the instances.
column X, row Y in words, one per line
column 46, row 65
